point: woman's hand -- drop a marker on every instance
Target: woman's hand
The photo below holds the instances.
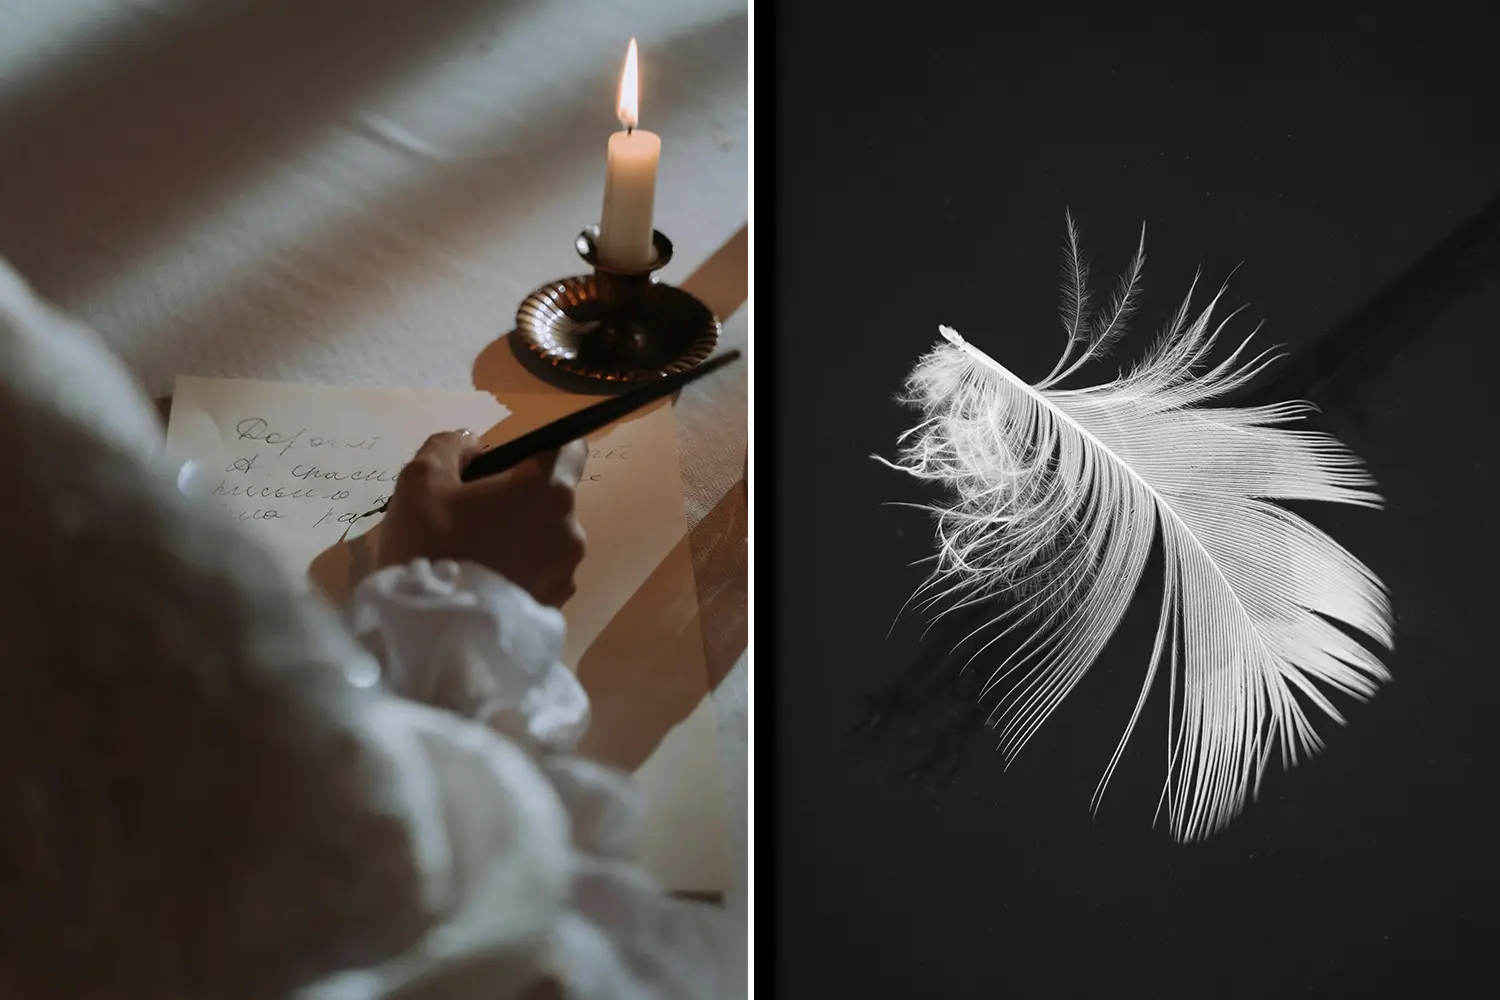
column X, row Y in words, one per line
column 519, row 523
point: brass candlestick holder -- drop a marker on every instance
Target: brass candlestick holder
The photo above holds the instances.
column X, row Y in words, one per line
column 616, row 328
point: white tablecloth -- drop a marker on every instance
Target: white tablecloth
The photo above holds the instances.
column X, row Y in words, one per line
column 362, row 192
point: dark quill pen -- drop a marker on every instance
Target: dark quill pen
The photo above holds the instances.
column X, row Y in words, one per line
column 578, row 425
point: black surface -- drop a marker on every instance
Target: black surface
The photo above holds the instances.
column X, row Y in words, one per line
column 924, row 164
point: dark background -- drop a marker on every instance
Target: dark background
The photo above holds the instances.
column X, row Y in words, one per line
column 923, row 164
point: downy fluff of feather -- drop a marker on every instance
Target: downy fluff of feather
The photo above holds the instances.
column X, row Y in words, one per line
column 1056, row 496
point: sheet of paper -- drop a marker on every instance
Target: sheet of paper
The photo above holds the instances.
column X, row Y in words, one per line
column 294, row 464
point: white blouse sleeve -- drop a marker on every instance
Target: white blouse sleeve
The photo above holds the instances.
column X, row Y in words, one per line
column 459, row 637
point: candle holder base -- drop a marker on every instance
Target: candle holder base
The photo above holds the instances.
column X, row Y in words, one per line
column 616, row 329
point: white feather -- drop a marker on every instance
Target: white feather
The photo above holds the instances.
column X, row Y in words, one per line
column 1057, row 496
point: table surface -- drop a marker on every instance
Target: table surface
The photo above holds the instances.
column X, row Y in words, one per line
column 275, row 190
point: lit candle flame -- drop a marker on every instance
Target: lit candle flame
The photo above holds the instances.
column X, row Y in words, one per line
column 630, row 87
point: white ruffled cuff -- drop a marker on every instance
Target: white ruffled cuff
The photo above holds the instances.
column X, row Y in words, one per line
column 458, row 636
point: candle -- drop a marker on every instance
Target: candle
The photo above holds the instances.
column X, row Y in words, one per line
column 629, row 182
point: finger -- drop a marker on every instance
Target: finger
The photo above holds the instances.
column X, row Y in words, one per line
column 562, row 467
column 567, row 463
column 444, row 455
column 551, row 477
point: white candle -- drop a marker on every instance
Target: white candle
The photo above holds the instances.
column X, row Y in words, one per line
column 629, row 182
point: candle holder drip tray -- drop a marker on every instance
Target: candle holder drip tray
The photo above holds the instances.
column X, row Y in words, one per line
column 614, row 327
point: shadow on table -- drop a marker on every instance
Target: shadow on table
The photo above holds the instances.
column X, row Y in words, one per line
column 641, row 672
